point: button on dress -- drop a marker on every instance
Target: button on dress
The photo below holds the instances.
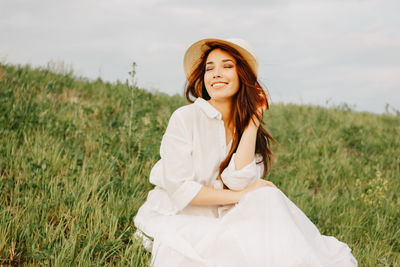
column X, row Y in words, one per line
column 264, row 229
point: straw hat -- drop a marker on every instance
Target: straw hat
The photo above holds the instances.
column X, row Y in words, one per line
column 194, row 52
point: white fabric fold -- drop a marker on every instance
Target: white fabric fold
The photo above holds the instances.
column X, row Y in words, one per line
column 174, row 172
column 240, row 179
column 264, row 229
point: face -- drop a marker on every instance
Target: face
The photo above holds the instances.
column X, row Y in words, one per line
column 220, row 78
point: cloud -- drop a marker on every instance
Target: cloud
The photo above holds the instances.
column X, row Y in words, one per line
column 308, row 49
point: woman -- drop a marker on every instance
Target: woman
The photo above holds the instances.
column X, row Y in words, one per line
column 210, row 206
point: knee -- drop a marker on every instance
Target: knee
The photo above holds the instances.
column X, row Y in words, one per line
column 267, row 190
column 264, row 193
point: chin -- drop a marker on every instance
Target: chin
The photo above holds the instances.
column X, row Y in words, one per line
column 221, row 98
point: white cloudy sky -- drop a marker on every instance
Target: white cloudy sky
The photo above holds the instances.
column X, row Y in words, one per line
column 310, row 51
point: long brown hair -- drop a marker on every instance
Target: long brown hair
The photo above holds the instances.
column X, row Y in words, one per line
column 249, row 97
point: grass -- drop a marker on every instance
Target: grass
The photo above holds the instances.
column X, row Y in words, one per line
column 75, row 156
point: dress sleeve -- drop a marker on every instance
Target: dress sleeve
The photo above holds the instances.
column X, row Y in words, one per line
column 240, row 179
column 177, row 165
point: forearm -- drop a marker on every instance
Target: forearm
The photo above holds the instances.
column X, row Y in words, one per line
column 211, row 196
column 247, row 146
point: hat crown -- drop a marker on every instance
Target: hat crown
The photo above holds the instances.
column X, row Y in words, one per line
column 194, row 52
column 245, row 45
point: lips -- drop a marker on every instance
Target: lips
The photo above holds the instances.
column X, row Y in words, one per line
column 218, row 84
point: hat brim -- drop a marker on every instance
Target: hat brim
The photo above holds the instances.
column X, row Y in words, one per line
column 195, row 51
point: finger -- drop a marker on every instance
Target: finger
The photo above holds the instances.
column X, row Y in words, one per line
column 264, row 98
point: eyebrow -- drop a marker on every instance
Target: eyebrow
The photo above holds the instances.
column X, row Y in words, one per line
column 224, row 60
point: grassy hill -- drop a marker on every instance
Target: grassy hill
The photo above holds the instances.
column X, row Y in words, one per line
column 75, row 156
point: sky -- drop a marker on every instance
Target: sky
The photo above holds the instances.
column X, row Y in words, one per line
column 320, row 52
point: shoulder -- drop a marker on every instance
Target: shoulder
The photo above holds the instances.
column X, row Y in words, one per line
column 189, row 108
column 181, row 120
column 185, row 114
column 185, row 120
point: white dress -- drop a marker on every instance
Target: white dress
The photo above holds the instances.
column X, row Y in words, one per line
column 264, row 229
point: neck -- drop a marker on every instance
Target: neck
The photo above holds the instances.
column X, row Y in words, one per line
column 223, row 106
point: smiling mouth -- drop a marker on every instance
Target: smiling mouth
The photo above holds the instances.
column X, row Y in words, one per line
column 218, row 84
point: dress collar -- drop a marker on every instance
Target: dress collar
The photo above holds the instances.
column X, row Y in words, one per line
column 210, row 111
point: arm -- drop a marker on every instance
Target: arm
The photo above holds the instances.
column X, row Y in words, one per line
column 176, row 172
column 211, row 196
column 243, row 169
column 247, row 145
column 243, row 157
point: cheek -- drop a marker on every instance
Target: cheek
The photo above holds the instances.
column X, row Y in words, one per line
column 233, row 76
column 206, row 79
column 206, row 83
column 236, row 82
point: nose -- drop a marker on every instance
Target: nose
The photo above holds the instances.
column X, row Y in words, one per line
column 217, row 72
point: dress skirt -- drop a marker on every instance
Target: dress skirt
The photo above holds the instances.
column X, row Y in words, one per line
column 264, row 229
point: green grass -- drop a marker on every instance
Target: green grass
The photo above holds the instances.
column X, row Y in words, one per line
column 75, row 156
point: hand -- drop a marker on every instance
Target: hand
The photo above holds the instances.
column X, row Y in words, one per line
column 256, row 185
column 260, row 110
column 264, row 105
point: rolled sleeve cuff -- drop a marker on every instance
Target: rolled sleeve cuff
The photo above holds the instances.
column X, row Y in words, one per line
column 240, row 179
column 184, row 194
